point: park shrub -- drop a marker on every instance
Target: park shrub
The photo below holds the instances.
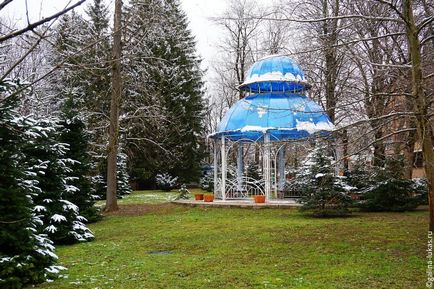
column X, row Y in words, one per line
column 184, row 193
column 388, row 190
column 166, row 182
column 207, row 183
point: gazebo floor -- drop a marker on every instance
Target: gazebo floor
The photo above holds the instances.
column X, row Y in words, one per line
column 277, row 204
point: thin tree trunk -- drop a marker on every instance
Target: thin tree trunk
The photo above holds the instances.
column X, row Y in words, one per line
column 111, row 200
column 409, row 154
column 421, row 104
column 379, row 150
column 346, row 167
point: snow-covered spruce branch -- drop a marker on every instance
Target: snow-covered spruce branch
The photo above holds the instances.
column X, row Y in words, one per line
column 32, row 26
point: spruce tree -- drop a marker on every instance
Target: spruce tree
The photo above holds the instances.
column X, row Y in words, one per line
column 181, row 87
column 323, row 193
column 123, row 179
column 168, row 65
column 75, row 135
column 26, row 257
column 61, row 219
column 85, row 80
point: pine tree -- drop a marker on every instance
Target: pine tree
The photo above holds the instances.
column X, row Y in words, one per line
column 25, row 256
column 323, row 194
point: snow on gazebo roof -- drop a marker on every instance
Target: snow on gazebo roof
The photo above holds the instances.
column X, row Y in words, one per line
column 275, row 73
column 284, row 116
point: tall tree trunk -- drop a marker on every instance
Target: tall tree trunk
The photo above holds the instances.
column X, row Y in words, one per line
column 111, row 200
column 421, row 104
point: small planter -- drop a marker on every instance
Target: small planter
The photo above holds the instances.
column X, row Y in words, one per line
column 198, row 197
column 259, row 199
column 208, row 198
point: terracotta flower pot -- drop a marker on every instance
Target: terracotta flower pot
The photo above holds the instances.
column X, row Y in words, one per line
column 259, row 198
column 208, row 198
column 198, row 197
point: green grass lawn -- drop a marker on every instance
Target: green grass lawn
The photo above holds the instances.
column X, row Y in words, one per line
column 169, row 246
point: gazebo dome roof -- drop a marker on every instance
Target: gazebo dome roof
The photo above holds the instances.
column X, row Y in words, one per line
column 275, row 73
column 282, row 115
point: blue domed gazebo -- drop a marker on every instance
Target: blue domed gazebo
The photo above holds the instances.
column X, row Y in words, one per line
column 276, row 110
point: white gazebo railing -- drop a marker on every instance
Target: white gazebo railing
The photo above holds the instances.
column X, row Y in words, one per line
column 244, row 190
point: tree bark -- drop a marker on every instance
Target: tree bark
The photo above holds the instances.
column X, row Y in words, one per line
column 379, row 149
column 421, row 103
column 409, row 154
column 111, row 200
column 331, row 62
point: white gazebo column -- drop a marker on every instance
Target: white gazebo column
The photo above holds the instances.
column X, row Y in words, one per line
column 281, row 156
column 224, row 168
column 267, row 166
column 240, row 167
column 215, row 167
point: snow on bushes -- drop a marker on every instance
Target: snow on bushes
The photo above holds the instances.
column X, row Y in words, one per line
column 166, row 182
column 61, row 218
column 386, row 189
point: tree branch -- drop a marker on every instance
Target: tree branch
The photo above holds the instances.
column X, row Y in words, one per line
column 4, row 3
column 40, row 22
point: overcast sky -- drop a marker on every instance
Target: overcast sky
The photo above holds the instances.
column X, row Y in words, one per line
column 198, row 12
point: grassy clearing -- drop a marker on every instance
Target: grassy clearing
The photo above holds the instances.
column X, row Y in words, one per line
column 168, row 246
column 149, row 197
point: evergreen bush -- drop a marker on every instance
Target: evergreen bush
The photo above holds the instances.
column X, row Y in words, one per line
column 166, row 182
column 207, row 183
column 388, row 190
column 184, row 194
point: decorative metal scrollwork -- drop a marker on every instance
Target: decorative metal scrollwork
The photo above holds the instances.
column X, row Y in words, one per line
column 245, row 190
